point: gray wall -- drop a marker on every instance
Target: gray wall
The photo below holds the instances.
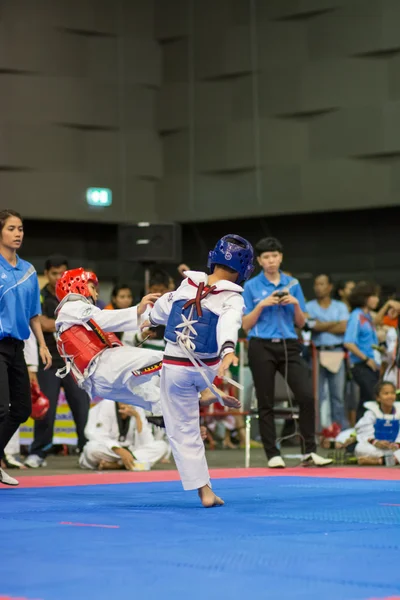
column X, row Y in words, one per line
column 79, row 81
column 199, row 109
column 278, row 106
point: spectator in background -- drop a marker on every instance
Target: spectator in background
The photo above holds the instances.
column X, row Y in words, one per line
column 49, row 383
column 328, row 324
column 360, row 339
column 391, row 319
column 160, row 281
column 121, row 297
column 378, row 437
column 387, row 322
column 274, row 307
column 120, row 438
column 343, row 290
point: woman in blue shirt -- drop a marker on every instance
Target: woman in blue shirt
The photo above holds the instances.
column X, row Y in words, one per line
column 359, row 339
column 19, row 311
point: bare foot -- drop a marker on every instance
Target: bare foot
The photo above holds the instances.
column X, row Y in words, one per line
column 370, row 460
column 208, row 498
column 228, row 444
column 105, row 465
column 209, row 397
column 165, row 461
column 203, row 432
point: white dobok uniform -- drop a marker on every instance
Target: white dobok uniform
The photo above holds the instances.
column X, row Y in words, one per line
column 391, row 373
column 31, row 355
column 103, row 435
column 112, row 371
column 194, row 344
column 376, row 425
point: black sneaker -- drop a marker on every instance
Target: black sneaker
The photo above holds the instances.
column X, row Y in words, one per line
column 158, row 421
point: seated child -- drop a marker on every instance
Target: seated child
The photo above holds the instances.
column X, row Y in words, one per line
column 378, row 435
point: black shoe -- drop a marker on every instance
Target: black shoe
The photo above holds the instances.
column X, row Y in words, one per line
column 158, row 421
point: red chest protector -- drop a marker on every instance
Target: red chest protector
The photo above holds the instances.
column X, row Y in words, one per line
column 80, row 346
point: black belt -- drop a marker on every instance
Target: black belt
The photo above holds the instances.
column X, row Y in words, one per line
column 11, row 340
column 274, row 340
column 186, row 361
column 334, row 347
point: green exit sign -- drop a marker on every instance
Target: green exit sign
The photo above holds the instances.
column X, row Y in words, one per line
column 99, row 197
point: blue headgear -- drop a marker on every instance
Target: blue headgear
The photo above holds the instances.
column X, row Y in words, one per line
column 238, row 256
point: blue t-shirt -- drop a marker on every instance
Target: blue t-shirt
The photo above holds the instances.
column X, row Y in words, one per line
column 361, row 332
column 336, row 311
column 19, row 298
column 275, row 322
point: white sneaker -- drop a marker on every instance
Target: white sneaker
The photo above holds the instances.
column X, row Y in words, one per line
column 276, row 462
column 141, row 466
column 6, row 479
column 12, row 462
column 34, row 461
column 315, row 460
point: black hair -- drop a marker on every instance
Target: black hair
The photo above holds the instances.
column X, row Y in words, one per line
column 6, row 214
column 120, row 286
column 229, row 269
column 378, row 388
column 361, row 292
column 159, row 277
column 329, row 277
column 268, row 244
column 55, row 260
column 339, row 287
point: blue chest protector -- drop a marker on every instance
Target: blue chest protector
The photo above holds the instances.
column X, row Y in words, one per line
column 387, row 429
column 205, row 340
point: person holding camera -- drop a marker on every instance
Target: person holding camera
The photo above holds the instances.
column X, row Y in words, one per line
column 274, row 308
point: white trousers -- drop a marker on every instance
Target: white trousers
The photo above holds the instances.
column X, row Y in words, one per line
column 180, row 387
column 94, row 452
column 367, row 449
column 119, row 377
column 13, row 446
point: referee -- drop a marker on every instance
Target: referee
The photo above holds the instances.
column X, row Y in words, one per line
column 19, row 311
column 274, row 306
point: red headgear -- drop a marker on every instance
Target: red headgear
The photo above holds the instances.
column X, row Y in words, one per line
column 40, row 403
column 75, row 281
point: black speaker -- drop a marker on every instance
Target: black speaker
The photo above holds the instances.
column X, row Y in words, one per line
column 148, row 243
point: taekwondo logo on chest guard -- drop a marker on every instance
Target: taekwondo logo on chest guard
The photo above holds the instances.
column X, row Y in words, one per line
column 3, row 276
column 228, row 256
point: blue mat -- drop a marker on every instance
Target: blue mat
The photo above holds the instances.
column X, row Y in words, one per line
column 276, row 538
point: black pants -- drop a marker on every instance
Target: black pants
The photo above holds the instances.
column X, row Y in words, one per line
column 265, row 359
column 79, row 404
column 366, row 380
column 15, row 391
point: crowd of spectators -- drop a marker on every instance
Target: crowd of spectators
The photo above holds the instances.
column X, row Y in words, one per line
column 349, row 343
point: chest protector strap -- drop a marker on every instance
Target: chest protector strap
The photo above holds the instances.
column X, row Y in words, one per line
column 202, row 292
